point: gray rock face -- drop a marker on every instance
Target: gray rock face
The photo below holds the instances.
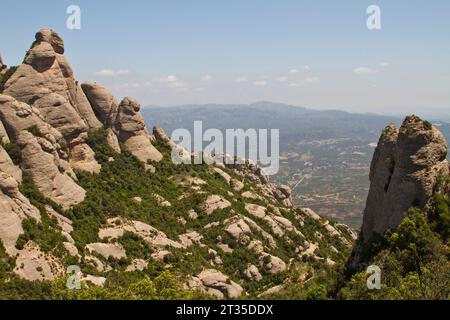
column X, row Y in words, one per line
column 102, row 101
column 403, row 174
column 14, row 208
column 45, row 81
column 217, row 284
column 42, row 163
column 7, row 166
column 405, row 167
column 131, row 130
column 17, row 116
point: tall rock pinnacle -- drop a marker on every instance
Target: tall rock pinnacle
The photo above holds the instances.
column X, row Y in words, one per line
column 403, row 174
column 45, row 81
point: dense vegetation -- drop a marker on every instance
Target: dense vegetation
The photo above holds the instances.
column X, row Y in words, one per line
column 414, row 260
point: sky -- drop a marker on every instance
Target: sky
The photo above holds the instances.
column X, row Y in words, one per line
column 317, row 54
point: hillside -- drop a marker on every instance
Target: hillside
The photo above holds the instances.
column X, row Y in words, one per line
column 93, row 207
column 83, row 183
column 328, row 151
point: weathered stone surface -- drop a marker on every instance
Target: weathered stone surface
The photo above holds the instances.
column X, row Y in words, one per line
column 32, row 264
column 237, row 185
column 160, row 135
column 252, row 273
column 132, row 132
column 45, row 78
column 137, row 265
column 7, row 166
column 95, row 280
column 272, row 264
column 57, row 111
column 112, row 141
column 4, row 138
column 102, row 101
column 237, row 227
column 43, row 167
column 215, row 202
column 161, row 201
column 217, row 284
column 82, row 157
column 17, row 116
column 403, row 174
column 107, row 250
column 151, row 235
column 190, row 238
column 14, row 208
column 405, row 168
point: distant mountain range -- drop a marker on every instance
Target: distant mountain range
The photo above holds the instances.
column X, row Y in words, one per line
column 295, row 123
column 330, row 151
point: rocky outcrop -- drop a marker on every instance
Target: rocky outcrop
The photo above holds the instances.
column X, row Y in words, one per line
column 18, row 116
column 406, row 166
column 252, row 273
column 14, row 208
column 132, row 132
column 41, row 161
column 7, row 166
column 45, row 80
column 112, row 141
column 32, row 264
column 216, row 283
column 102, row 101
column 82, row 157
column 215, row 202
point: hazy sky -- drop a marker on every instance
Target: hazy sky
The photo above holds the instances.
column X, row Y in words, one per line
column 317, row 54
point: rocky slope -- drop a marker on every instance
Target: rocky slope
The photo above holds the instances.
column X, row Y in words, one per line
column 407, row 170
column 82, row 182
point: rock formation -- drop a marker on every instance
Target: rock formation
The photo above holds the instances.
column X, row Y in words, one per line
column 403, row 174
column 46, row 122
column 45, row 80
column 132, row 132
column 102, row 101
column 40, row 160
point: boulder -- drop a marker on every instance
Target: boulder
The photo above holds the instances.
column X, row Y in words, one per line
column 252, row 273
column 272, row 264
column 403, row 174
